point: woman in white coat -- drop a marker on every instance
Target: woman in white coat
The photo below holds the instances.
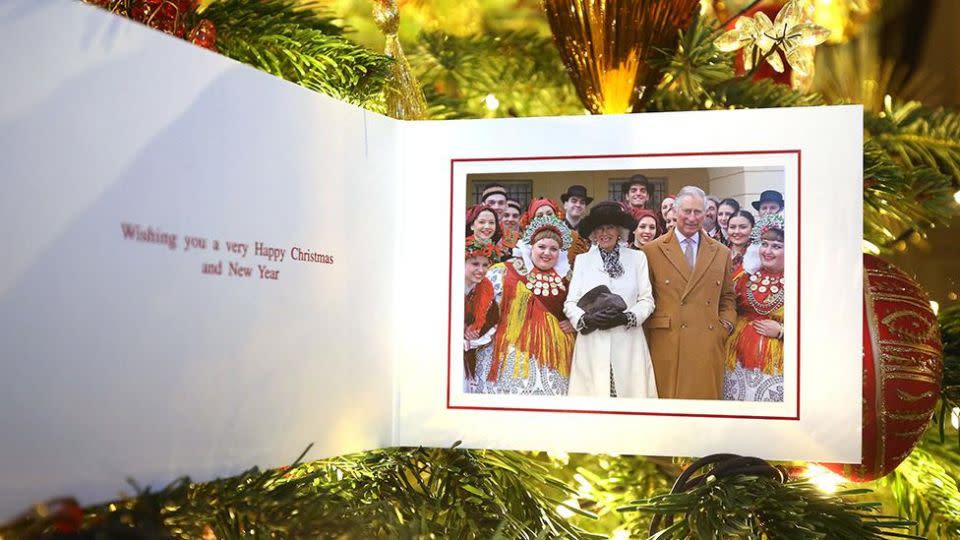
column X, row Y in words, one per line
column 610, row 356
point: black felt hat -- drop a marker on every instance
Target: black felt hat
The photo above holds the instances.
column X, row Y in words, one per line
column 576, row 191
column 769, row 196
column 606, row 213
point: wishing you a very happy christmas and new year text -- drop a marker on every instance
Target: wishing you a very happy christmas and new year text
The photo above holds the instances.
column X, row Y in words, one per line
column 267, row 258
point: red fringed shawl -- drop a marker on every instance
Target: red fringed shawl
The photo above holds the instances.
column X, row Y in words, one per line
column 477, row 304
column 531, row 323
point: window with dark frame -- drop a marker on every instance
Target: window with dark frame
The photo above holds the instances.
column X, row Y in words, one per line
column 518, row 190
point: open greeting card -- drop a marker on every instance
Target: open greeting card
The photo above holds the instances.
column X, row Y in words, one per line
column 209, row 268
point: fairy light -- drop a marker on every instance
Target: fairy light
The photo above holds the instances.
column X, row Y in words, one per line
column 491, row 102
column 826, row 480
column 935, row 306
column 955, row 418
column 620, row 534
column 870, row 247
column 956, row 196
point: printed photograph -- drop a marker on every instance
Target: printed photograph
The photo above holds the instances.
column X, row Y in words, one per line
column 655, row 284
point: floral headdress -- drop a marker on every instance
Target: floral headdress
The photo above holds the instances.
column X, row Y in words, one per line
column 764, row 224
column 535, row 204
column 478, row 247
column 548, row 223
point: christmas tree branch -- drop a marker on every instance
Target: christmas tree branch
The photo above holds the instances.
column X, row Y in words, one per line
column 762, row 507
column 897, row 198
column 690, row 71
column 391, row 493
column 699, row 76
column 520, row 70
column 925, row 489
column 919, row 137
column 301, row 45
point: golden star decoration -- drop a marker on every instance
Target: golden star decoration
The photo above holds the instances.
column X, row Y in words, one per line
column 761, row 39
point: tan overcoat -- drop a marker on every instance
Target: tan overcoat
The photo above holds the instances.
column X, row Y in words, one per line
column 684, row 331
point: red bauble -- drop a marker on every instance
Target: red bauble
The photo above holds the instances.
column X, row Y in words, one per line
column 902, row 369
column 204, row 34
column 168, row 16
column 141, row 12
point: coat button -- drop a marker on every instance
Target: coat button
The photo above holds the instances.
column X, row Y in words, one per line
column 708, row 302
column 718, row 283
column 710, row 327
column 684, row 325
column 667, row 282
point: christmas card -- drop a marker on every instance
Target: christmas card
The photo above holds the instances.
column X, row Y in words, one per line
column 211, row 268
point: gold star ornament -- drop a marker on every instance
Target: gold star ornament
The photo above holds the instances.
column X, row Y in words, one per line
column 762, row 39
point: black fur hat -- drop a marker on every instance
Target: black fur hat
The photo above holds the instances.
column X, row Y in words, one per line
column 606, row 213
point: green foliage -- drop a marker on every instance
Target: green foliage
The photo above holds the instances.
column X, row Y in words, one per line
column 925, row 491
column 898, row 198
column 522, row 70
column 949, row 319
column 747, row 94
column 300, row 45
column 699, row 76
column 691, row 71
column 605, row 483
column 919, row 137
column 753, row 507
column 911, row 170
column 392, row 493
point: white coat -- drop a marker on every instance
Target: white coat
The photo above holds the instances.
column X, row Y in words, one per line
column 625, row 349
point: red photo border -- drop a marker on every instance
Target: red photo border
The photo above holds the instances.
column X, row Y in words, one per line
column 453, row 163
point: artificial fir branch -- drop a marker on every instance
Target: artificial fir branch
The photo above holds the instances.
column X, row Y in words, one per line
column 918, row 136
column 521, row 70
column 926, row 491
column 949, row 320
column 391, row 493
column 301, row 45
column 749, row 94
column 699, row 76
column 752, row 507
column 691, row 70
column 897, row 198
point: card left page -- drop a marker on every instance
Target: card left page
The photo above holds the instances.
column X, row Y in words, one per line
column 193, row 283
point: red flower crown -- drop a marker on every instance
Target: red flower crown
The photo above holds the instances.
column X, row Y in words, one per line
column 478, row 247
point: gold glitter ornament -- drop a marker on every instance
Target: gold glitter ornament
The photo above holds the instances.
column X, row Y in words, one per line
column 763, row 39
column 404, row 96
column 606, row 46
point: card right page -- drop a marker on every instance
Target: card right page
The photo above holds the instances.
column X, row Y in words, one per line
column 748, row 341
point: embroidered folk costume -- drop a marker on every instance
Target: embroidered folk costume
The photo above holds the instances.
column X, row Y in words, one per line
column 754, row 362
column 577, row 245
column 480, row 312
column 530, row 354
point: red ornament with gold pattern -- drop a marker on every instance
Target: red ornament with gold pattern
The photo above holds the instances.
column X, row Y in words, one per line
column 902, row 369
column 204, row 34
column 169, row 16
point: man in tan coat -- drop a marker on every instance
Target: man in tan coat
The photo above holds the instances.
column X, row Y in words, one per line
column 695, row 304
